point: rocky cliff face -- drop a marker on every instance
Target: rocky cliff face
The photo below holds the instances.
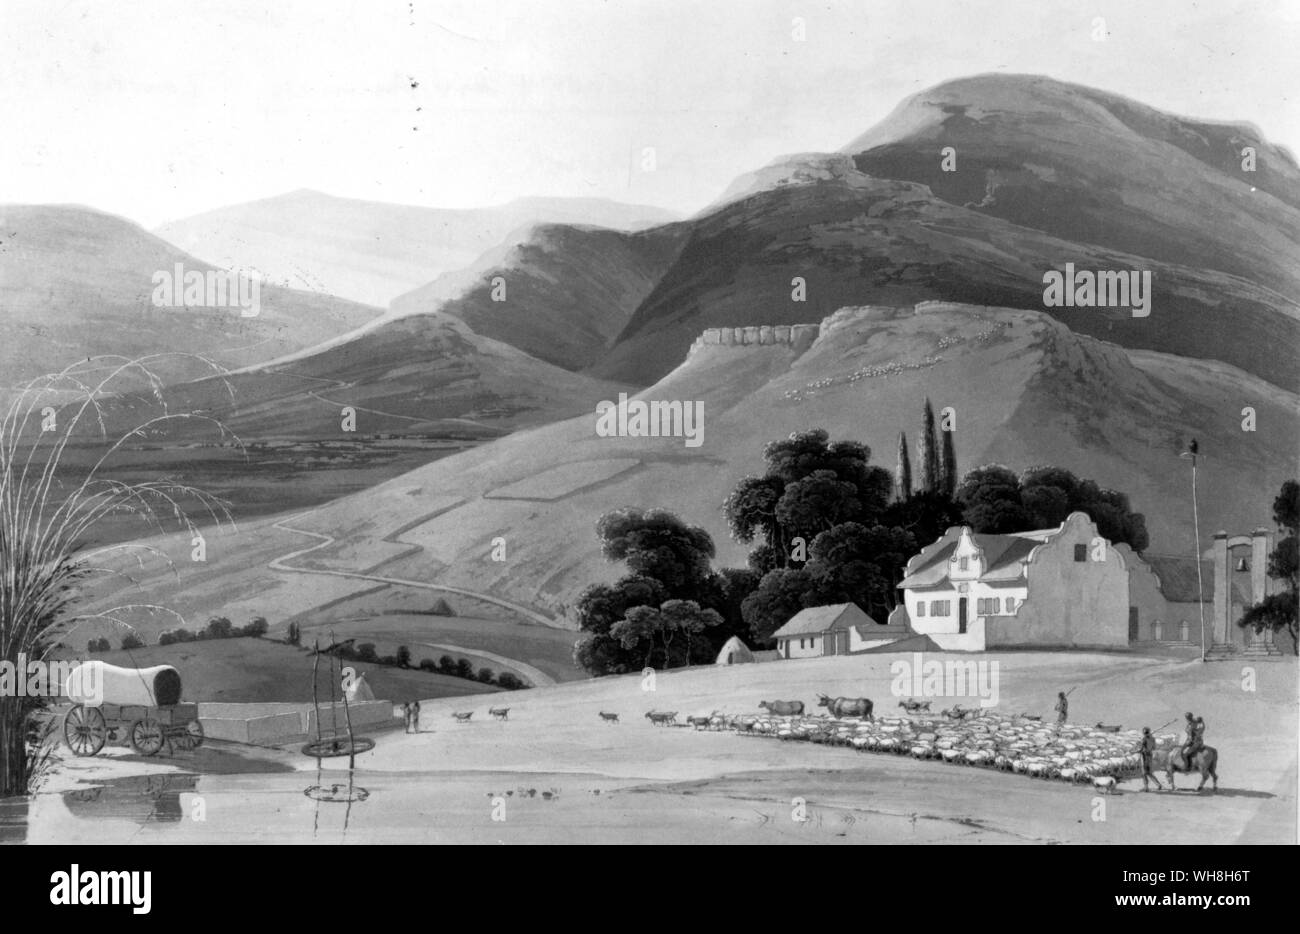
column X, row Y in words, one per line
column 799, row 336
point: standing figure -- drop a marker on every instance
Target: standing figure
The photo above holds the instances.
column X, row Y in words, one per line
column 415, row 717
column 1147, row 750
column 1062, row 708
column 406, row 715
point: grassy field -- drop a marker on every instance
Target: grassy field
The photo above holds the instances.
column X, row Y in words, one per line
column 551, row 651
column 250, row 670
column 566, row 776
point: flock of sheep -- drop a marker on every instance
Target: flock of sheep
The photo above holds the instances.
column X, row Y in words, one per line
column 1009, row 743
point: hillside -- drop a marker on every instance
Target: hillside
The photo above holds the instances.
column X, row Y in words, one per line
column 370, row 251
column 1026, row 390
column 569, row 291
column 75, row 283
column 420, row 374
column 1047, row 173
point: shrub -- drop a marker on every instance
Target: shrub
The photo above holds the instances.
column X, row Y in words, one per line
column 404, row 656
column 366, row 652
column 486, row 675
column 428, row 664
column 256, row 627
column 464, row 668
column 219, row 627
column 98, row 645
column 387, row 660
column 508, row 681
column 176, row 635
column 447, row 665
column 294, row 635
column 132, row 641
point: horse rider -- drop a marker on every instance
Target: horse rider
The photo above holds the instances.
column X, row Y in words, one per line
column 1195, row 738
column 1147, row 749
column 1062, row 708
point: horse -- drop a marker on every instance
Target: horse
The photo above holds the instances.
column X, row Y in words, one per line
column 1204, row 761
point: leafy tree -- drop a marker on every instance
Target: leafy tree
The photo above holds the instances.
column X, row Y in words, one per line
column 815, row 503
column 256, row 627
column 366, row 652
column 132, row 641
column 486, row 675
column 780, row 594
column 637, row 630
column 854, row 563
column 1281, row 611
column 687, row 619
column 403, row 656
column 509, row 681
column 447, row 665
column 428, row 664
column 990, row 500
column 657, row 544
column 464, row 668
column 219, row 627
column 294, row 634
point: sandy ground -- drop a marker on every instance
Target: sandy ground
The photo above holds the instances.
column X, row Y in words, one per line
column 555, row 773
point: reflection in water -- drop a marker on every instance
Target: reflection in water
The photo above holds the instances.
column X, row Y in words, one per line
column 13, row 819
column 338, row 792
column 140, row 799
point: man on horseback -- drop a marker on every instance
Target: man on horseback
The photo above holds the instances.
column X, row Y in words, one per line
column 1195, row 738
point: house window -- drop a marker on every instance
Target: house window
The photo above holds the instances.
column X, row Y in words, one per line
column 801, row 645
column 965, row 564
column 997, row 605
column 1011, row 604
column 1080, row 552
column 920, row 607
column 939, row 607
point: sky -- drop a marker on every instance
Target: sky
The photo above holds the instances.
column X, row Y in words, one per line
column 160, row 110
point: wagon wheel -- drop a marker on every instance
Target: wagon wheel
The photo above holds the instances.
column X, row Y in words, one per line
column 191, row 737
column 84, row 730
column 147, row 737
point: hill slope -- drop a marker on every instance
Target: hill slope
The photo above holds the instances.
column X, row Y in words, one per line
column 370, row 251
column 1026, row 390
column 1047, row 173
column 75, row 282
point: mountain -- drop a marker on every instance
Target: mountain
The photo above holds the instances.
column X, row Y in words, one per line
column 565, row 293
column 75, row 282
column 421, row 374
column 1046, row 174
column 370, row 251
column 1026, row 390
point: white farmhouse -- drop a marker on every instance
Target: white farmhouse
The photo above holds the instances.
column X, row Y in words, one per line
column 1062, row 587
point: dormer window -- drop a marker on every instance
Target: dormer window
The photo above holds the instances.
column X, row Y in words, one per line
column 964, row 564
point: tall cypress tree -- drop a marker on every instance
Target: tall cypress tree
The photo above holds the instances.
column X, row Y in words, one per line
column 948, row 464
column 927, row 452
column 903, row 473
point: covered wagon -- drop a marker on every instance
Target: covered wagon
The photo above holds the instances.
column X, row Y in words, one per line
column 139, row 706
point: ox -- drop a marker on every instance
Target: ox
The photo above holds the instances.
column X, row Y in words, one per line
column 842, row 707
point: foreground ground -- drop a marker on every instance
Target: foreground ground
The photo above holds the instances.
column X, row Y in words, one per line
column 555, row 772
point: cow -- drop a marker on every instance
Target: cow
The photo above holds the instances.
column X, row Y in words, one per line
column 657, row 718
column 847, row 706
column 500, row 713
column 608, row 717
column 463, row 717
column 914, row 706
column 784, row 708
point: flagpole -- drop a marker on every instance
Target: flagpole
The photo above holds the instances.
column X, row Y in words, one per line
column 1200, row 587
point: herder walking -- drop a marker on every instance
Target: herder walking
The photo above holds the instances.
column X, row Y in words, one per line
column 1148, row 749
column 415, row 717
column 406, row 715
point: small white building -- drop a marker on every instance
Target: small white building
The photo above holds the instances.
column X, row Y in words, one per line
column 836, row 629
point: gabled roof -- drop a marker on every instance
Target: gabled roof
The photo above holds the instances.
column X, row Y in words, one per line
column 816, row 620
column 1004, row 555
column 1177, row 577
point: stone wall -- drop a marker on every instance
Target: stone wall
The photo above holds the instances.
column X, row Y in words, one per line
column 795, row 335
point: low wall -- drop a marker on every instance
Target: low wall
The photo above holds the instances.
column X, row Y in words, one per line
column 271, row 724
